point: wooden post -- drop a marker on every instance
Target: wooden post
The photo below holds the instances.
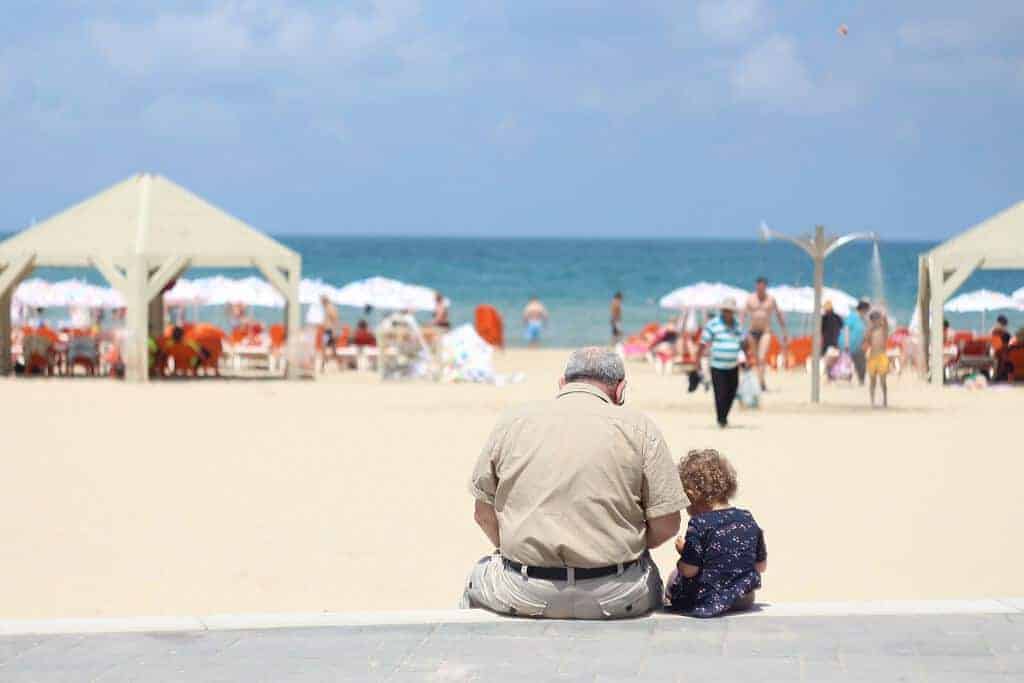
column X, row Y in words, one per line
column 818, row 255
column 13, row 273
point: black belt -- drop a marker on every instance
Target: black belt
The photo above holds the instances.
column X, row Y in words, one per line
column 562, row 573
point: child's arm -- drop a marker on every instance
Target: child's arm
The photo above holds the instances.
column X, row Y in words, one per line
column 687, row 570
column 690, row 548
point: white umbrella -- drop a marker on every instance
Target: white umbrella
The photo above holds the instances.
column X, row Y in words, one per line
column 311, row 291
column 219, row 290
column 382, row 292
column 35, row 293
column 184, row 292
column 981, row 300
column 702, row 295
column 801, row 299
column 1018, row 298
column 38, row 293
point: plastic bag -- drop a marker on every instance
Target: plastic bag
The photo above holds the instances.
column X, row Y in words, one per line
column 749, row 391
column 843, row 367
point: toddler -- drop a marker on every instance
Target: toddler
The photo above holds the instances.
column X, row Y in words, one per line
column 723, row 555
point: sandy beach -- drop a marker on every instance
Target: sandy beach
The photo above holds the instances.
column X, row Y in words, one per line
column 345, row 493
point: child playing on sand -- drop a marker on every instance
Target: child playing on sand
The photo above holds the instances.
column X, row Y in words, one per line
column 878, row 359
column 723, row 555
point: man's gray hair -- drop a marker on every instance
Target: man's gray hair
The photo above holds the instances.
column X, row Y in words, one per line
column 595, row 364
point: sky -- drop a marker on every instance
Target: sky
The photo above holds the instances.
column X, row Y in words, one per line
column 523, row 117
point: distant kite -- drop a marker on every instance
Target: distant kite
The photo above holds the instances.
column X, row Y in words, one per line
column 843, row 30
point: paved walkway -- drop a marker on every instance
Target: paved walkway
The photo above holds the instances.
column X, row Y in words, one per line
column 763, row 648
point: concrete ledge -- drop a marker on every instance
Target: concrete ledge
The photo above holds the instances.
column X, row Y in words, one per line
column 17, row 627
column 226, row 622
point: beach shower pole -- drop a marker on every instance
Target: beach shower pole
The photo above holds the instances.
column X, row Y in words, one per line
column 818, row 247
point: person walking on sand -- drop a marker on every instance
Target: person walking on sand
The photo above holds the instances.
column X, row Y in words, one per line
column 759, row 309
column 331, row 322
column 723, row 339
column 831, row 326
column 854, row 336
column 616, row 318
column 535, row 316
column 572, row 493
column 878, row 358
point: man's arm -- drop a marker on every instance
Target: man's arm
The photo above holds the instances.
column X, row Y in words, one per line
column 782, row 321
column 660, row 529
column 487, row 520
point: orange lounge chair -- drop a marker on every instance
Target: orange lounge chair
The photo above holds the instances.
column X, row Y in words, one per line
column 40, row 357
column 799, row 351
column 210, row 340
column 1015, row 356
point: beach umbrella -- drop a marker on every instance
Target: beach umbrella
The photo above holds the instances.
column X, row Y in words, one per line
column 311, row 291
column 252, row 291
column 801, row 299
column 1018, row 298
column 72, row 293
column 34, row 293
column 184, row 293
column 980, row 301
column 702, row 295
column 382, row 292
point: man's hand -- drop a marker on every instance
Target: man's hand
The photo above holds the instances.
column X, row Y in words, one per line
column 680, row 544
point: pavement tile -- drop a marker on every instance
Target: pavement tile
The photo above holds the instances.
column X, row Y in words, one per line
column 871, row 666
column 956, row 664
column 703, row 669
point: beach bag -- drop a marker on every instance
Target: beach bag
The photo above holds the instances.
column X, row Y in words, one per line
column 843, row 367
column 749, row 391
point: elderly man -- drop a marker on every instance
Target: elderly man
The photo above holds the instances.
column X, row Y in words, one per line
column 572, row 493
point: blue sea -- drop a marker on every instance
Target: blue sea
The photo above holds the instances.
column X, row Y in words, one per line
column 575, row 278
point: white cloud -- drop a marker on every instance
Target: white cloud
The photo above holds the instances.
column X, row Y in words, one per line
column 234, row 35
column 772, row 75
column 729, row 21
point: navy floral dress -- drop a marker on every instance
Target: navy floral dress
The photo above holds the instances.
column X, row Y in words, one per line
column 725, row 544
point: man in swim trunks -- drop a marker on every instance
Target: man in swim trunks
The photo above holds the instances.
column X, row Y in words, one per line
column 534, row 317
column 759, row 308
column 878, row 358
column 441, row 320
column 616, row 316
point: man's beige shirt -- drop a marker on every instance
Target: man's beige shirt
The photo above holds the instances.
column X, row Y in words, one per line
column 574, row 480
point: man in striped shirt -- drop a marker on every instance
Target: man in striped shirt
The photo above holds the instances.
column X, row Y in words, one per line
column 723, row 339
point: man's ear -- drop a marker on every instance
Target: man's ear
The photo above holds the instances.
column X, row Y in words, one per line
column 620, row 393
column 561, row 382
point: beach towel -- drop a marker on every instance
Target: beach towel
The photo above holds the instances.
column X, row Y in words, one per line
column 749, row 391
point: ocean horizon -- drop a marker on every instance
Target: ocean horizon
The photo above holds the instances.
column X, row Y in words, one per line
column 576, row 278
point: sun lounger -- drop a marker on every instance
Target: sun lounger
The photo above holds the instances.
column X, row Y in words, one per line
column 83, row 351
column 975, row 356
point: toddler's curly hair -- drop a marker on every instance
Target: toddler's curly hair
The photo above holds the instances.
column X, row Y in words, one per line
column 707, row 476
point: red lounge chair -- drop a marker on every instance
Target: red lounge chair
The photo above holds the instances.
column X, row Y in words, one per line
column 975, row 355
